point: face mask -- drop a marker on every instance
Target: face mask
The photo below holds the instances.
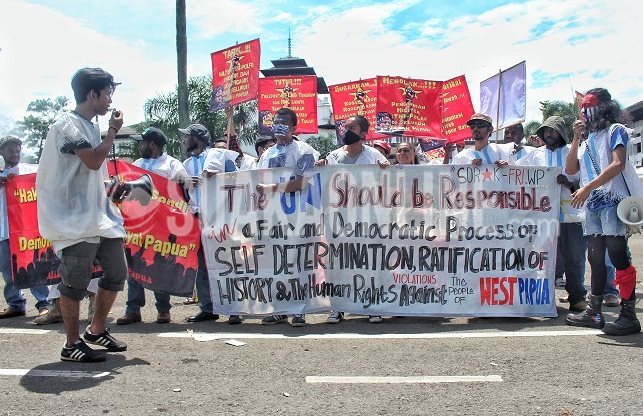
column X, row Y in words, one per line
column 280, row 130
column 351, row 137
column 589, row 105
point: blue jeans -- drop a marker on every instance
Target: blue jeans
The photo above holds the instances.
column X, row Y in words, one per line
column 14, row 297
column 570, row 259
column 203, row 284
column 136, row 298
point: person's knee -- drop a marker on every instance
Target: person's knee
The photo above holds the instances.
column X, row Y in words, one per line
column 75, row 272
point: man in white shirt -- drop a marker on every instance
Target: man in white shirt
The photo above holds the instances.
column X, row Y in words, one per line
column 196, row 139
column 154, row 159
column 10, row 149
column 354, row 152
column 75, row 214
column 570, row 255
column 287, row 153
column 483, row 152
column 515, row 134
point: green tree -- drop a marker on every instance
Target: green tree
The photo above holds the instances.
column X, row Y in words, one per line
column 162, row 112
column 324, row 143
column 531, row 127
column 34, row 126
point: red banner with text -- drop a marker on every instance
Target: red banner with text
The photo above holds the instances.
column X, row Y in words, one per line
column 457, row 109
column 33, row 261
column 299, row 93
column 163, row 238
column 354, row 98
column 409, row 107
column 235, row 74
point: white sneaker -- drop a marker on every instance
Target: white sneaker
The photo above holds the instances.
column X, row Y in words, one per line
column 335, row 317
column 375, row 319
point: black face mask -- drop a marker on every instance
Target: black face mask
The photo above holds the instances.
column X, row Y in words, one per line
column 351, row 137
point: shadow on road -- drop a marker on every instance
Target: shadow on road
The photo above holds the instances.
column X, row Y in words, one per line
column 70, row 377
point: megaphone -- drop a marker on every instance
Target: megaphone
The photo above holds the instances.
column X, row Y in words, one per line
column 630, row 211
column 138, row 190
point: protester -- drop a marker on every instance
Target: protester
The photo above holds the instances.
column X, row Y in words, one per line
column 154, row 159
column 220, row 143
column 263, row 144
column 405, row 155
column 10, row 150
column 452, row 149
column 515, row 134
column 75, row 214
column 606, row 178
column 483, row 152
column 383, row 147
column 570, row 254
column 354, row 152
column 196, row 139
column 287, row 153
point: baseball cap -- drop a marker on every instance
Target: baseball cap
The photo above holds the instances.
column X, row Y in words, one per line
column 154, row 135
column 9, row 139
column 384, row 145
column 197, row 130
column 481, row 117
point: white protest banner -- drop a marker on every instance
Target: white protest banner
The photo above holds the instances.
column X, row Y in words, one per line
column 506, row 105
column 407, row 240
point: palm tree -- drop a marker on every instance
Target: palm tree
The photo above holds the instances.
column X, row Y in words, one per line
column 162, row 112
column 182, row 63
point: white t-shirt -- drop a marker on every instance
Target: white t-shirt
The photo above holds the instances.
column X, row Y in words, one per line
column 212, row 160
column 489, row 154
column 166, row 166
column 247, row 162
column 368, row 156
column 542, row 156
column 72, row 202
column 19, row 169
column 297, row 154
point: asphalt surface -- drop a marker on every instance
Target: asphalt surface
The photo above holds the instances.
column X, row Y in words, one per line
column 582, row 373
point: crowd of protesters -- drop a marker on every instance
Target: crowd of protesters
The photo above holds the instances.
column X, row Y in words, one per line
column 75, row 213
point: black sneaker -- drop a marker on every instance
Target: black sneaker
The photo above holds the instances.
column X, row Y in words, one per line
column 105, row 340
column 81, row 352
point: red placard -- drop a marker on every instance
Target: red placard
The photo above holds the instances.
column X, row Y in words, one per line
column 457, row 109
column 33, row 261
column 354, row 98
column 409, row 107
column 163, row 237
column 235, row 74
column 299, row 93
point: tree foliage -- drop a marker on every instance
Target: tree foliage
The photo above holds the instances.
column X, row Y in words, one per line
column 34, row 126
column 323, row 143
column 162, row 112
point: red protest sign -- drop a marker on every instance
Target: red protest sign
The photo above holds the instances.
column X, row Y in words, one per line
column 235, row 74
column 457, row 109
column 163, row 237
column 33, row 261
column 408, row 106
column 299, row 93
column 354, row 98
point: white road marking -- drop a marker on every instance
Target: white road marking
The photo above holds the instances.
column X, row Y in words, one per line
column 24, row 331
column 402, row 380
column 428, row 335
column 51, row 373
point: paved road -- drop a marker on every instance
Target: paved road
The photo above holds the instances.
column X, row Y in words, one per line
column 573, row 373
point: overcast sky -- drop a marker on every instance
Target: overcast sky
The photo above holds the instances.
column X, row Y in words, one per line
column 567, row 44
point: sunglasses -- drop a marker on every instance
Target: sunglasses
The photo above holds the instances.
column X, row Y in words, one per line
column 404, row 150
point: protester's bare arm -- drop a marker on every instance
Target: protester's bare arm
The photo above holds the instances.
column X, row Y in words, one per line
column 93, row 158
column 291, row 186
column 571, row 163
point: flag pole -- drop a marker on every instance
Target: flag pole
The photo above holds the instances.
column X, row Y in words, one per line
column 498, row 105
